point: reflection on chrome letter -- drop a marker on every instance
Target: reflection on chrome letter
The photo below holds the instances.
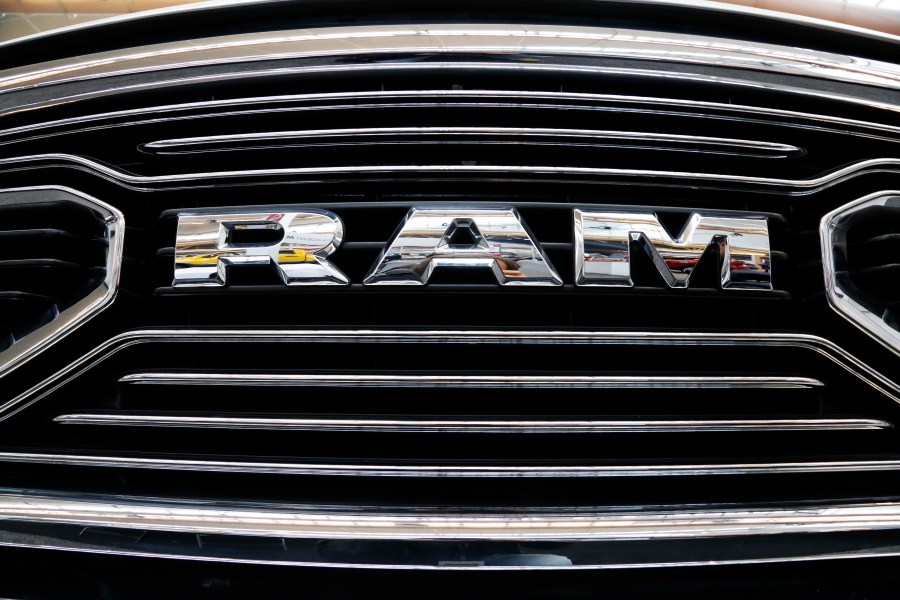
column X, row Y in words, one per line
column 493, row 237
column 604, row 242
column 297, row 243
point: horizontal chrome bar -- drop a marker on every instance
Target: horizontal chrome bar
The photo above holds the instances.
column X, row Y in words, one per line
column 712, row 6
column 821, row 346
column 254, row 105
column 404, row 524
column 681, row 142
column 472, row 381
column 441, row 470
column 450, row 39
column 447, row 538
column 476, row 425
column 489, row 61
column 804, row 185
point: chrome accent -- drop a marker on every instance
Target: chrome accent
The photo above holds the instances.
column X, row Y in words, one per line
column 838, row 288
column 478, row 98
column 449, row 39
column 488, row 66
column 501, row 58
column 803, row 186
column 710, row 5
column 823, row 347
column 682, row 143
column 476, row 426
column 604, row 242
column 500, row 241
column 94, row 301
column 441, row 470
column 474, row 381
column 447, row 538
column 205, row 246
column 311, row 521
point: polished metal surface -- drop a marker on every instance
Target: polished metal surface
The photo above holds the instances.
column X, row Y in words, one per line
column 456, row 39
column 842, row 295
column 521, row 135
column 371, row 469
column 831, row 351
column 446, row 538
column 469, row 56
column 823, row 19
column 561, row 426
column 94, row 300
column 299, row 521
column 473, row 381
column 207, row 244
column 437, row 98
column 495, row 239
column 791, row 186
column 604, row 242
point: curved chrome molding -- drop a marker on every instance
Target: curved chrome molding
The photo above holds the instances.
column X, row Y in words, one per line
column 499, row 539
column 804, row 185
column 333, row 469
column 479, row 98
column 709, row 5
column 531, row 524
column 475, row 426
column 683, row 143
column 839, row 297
column 86, row 308
column 505, row 59
column 473, row 381
column 829, row 350
column 449, row 39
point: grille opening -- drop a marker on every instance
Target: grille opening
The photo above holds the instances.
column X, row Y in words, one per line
column 52, row 255
column 873, row 258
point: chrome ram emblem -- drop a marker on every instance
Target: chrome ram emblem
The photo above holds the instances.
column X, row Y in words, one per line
column 299, row 241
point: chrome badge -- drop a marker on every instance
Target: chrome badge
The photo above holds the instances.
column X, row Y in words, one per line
column 604, row 242
column 297, row 243
column 495, row 238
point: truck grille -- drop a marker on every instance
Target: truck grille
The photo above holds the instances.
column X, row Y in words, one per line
column 287, row 424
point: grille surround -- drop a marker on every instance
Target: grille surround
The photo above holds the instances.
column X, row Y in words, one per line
column 843, row 295
column 94, row 300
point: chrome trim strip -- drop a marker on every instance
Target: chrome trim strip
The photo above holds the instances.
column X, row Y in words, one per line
column 316, row 522
column 198, row 144
column 441, row 470
column 476, row 426
column 372, row 380
column 838, row 298
column 481, row 99
column 487, row 65
column 88, row 307
column 710, row 5
column 826, row 348
column 449, row 39
column 805, row 185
